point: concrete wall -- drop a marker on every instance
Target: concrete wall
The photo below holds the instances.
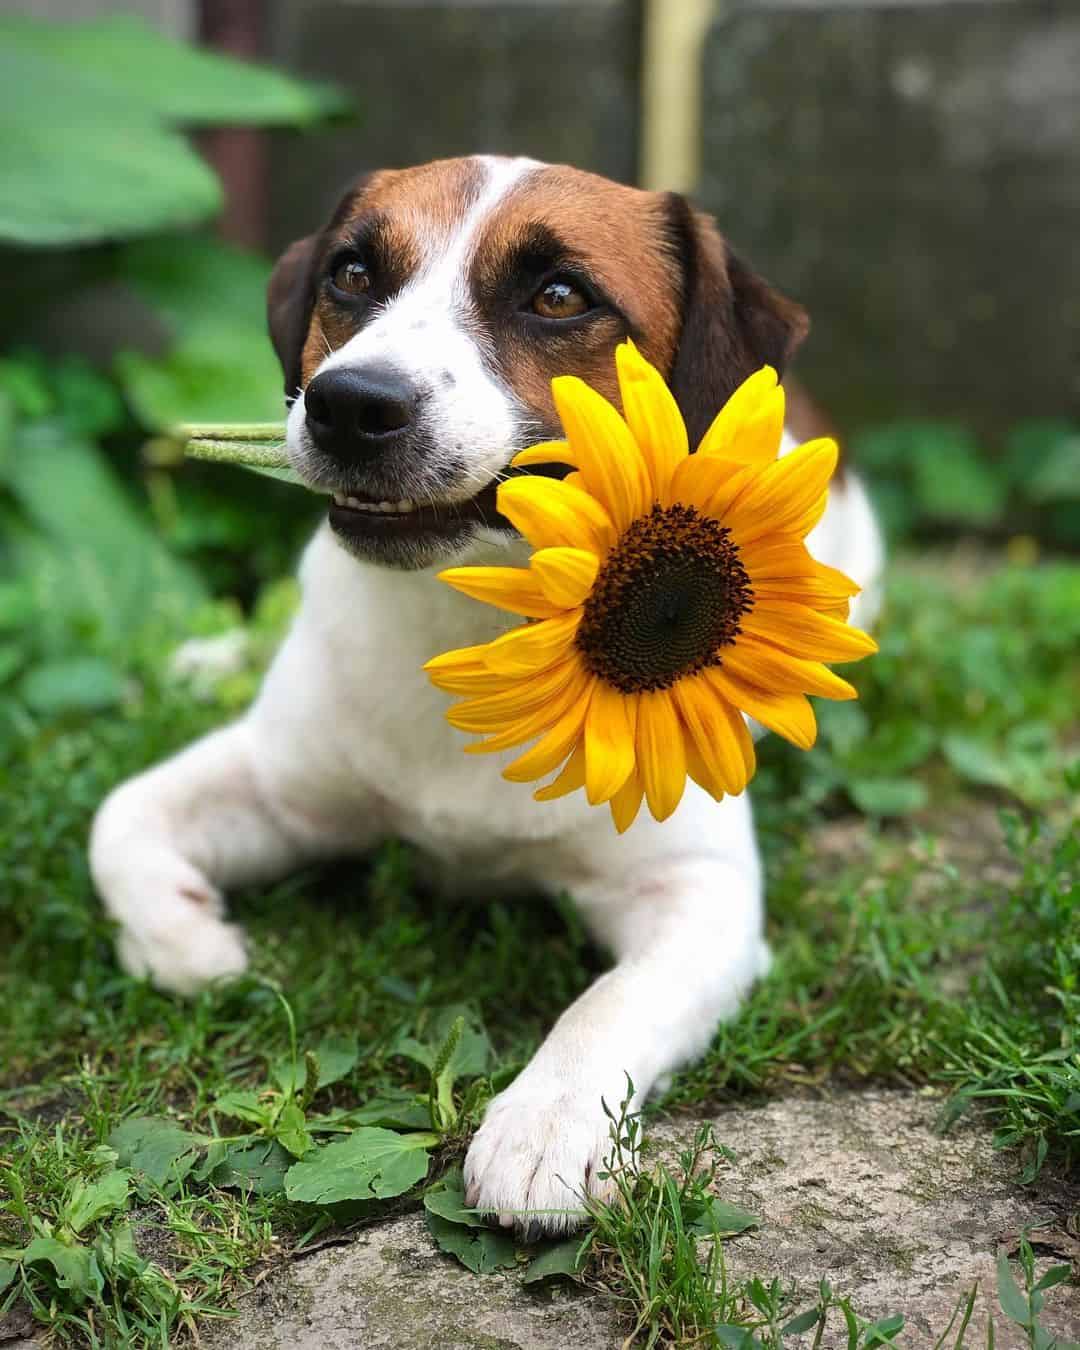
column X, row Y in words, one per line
column 911, row 172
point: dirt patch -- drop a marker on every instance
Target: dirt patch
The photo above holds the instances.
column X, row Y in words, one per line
column 859, row 1189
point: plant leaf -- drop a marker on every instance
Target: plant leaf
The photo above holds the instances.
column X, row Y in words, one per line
column 371, row 1164
column 258, row 1167
column 163, row 1152
column 71, row 1264
column 888, row 796
column 291, row 1130
column 1013, row 1303
column 87, row 1203
column 724, row 1219
column 480, row 1249
column 562, row 1260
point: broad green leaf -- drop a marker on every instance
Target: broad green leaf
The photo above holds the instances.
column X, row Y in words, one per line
column 89, row 1202
column 336, row 1057
column 243, row 1105
column 400, row 1111
column 1013, row 1303
column 259, row 1167
column 888, row 796
column 722, row 1218
column 169, row 80
column 8, row 1271
column 562, row 1260
column 954, row 480
column 71, row 1264
column 883, row 1331
column 162, row 1151
column 81, row 163
column 480, row 1249
column 78, row 684
column 371, row 1164
column 471, row 1056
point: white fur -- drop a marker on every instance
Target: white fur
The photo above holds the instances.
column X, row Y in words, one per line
column 347, row 743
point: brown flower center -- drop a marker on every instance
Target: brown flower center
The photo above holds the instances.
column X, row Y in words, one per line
column 667, row 598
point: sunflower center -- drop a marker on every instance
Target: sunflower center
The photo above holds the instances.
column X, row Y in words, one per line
column 668, row 597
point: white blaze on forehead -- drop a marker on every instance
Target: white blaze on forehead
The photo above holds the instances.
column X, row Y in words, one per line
column 430, row 333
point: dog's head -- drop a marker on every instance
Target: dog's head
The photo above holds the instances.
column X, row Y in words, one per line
column 420, row 330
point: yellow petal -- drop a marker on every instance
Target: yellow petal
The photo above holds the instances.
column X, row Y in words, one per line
column 570, row 779
column 472, row 682
column 609, row 743
column 770, row 669
column 512, row 588
column 566, row 575
column 789, row 715
column 784, row 494
column 660, row 753
column 803, row 632
column 554, row 514
column 696, row 481
column 653, row 417
column 541, row 721
column 533, row 646
column 509, row 704
column 606, row 454
column 699, row 771
column 554, row 746
column 749, row 425
column 626, row 803
column 544, row 452
column 710, row 730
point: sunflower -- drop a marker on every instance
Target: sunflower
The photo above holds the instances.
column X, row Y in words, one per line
column 669, row 593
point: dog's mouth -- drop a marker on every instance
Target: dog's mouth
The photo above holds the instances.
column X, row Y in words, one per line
column 362, row 517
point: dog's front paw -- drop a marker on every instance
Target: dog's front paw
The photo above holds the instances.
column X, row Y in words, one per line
column 540, row 1151
column 184, row 952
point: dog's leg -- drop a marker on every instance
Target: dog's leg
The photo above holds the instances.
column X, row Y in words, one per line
column 685, row 926
column 166, row 843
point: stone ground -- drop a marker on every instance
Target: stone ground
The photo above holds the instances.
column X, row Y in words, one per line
column 857, row 1188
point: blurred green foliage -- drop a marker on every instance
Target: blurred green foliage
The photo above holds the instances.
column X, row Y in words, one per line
column 99, row 540
column 90, row 118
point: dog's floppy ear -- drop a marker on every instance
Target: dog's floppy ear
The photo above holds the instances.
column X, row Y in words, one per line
column 733, row 321
column 290, row 298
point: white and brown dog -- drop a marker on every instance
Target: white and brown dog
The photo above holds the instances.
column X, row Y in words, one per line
column 419, row 333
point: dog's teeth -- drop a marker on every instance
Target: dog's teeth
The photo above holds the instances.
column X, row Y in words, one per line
column 354, row 503
column 406, row 504
column 339, row 499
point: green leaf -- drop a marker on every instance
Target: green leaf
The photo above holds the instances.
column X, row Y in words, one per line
column 243, row 1105
column 480, row 1249
column 259, row 1167
column 1055, row 1275
column 371, row 1164
column 81, row 163
column 163, row 1152
column 291, row 1130
column 471, row 1054
column 401, row 1111
column 723, row 1218
column 88, row 1203
column 975, row 760
column 447, row 1200
column 953, row 480
column 883, row 1331
column 71, row 1264
column 336, row 1056
column 1013, row 1303
column 8, row 1271
column 805, row 1320
column 79, row 684
column 562, row 1260
column 174, row 82
column 888, row 796
column 102, row 566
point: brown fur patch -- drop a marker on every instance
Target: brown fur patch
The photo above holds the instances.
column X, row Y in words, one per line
column 619, row 237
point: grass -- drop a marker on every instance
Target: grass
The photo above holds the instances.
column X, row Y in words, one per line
column 894, row 964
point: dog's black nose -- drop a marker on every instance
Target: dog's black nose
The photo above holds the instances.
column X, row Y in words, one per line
column 355, row 413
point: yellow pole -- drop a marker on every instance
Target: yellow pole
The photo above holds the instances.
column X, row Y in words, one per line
column 671, row 92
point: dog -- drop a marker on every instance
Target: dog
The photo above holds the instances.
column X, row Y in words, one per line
column 418, row 334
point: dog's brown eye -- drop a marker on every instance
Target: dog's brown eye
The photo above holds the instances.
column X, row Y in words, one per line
column 559, row 300
column 352, row 277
